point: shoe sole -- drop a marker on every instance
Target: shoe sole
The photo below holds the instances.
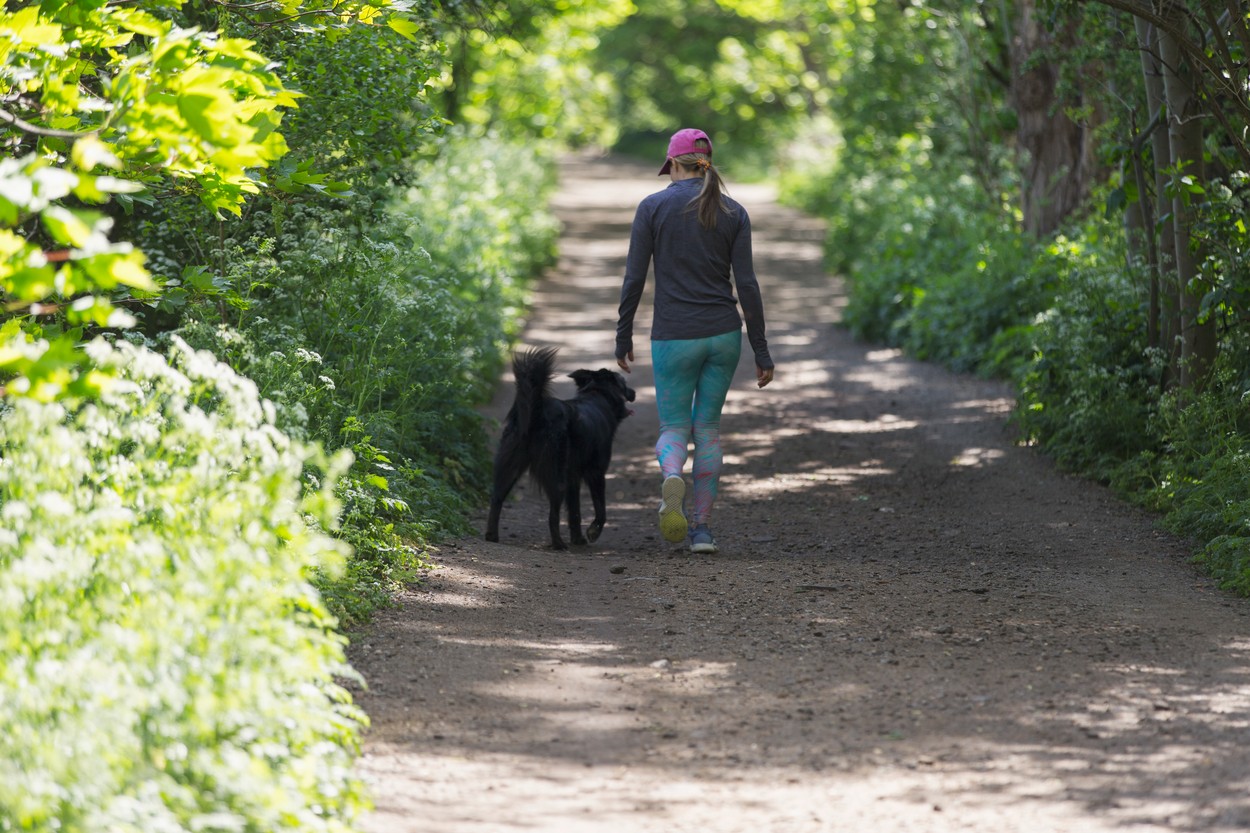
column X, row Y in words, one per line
column 704, row 548
column 673, row 524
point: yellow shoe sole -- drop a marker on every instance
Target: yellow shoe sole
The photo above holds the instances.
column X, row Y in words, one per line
column 672, row 519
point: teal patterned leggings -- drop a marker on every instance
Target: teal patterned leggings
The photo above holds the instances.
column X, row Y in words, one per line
column 692, row 378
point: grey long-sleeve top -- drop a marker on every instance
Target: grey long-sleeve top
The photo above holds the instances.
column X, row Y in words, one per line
column 693, row 294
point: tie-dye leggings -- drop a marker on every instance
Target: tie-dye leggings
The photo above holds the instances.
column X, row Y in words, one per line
column 692, row 378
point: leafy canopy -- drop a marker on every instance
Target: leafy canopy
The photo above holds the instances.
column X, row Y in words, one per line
column 116, row 102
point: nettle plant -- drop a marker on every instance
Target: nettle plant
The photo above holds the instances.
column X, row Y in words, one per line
column 165, row 662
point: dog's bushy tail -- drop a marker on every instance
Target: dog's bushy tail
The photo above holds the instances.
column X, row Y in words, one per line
column 533, row 370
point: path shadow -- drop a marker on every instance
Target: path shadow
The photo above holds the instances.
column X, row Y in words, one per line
column 915, row 624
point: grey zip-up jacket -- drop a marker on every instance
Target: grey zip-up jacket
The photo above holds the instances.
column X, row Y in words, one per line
column 693, row 294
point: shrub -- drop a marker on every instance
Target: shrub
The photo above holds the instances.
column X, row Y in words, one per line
column 479, row 209
column 932, row 266
column 1201, row 481
column 1088, row 393
column 935, row 269
column 383, row 339
column 165, row 662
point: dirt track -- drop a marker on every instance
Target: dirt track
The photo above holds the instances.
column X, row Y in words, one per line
column 913, row 624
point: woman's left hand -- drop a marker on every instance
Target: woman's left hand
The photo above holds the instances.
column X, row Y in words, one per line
column 762, row 376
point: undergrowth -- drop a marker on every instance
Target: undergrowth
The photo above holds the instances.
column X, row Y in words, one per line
column 382, row 340
column 934, row 269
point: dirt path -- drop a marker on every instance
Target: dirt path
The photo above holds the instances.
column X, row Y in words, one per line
column 913, row 625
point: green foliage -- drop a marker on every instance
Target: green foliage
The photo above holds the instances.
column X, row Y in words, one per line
column 166, row 659
column 527, row 70
column 708, row 65
column 478, row 211
column 934, row 268
column 165, row 662
column 41, row 361
column 1089, row 392
column 1225, row 238
column 168, row 102
column 171, row 109
column 384, row 340
column 748, row 71
column 387, row 544
column 365, row 110
column 1201, row 478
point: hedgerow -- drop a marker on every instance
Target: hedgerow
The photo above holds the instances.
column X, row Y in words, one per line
column 165, row 661
column 1200, row 480
column 932, row 269
column 384, row 338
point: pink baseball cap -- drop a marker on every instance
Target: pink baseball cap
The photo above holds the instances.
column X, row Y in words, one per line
column 686, row 140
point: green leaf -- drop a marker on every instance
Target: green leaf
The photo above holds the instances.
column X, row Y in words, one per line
column 25, row 273
column 1192, row 185
column 89, row 151
column 142, row 23
column 123, row 266
column 404, row 27
column 74, row 228
column 93, row 309
column 195, row 108
column 1116, row 201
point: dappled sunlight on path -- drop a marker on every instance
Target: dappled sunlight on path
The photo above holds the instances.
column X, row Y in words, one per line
column 914, row 624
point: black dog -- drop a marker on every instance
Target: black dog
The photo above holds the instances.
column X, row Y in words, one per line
column 560, row 442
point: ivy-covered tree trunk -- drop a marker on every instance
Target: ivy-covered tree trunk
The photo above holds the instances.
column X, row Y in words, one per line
column 1185, row 139
column 1057, row 151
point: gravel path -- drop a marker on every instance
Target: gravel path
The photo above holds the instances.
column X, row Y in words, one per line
column 913, row 624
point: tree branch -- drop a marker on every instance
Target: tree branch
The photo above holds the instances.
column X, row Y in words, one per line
column 1237, row 20
column 1223, row 80
column 27, row 127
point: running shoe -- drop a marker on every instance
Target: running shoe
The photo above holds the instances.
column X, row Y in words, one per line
column 672, row 509
column 701, row 540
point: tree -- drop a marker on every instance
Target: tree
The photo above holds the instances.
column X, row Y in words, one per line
column 1194, row 68
column 1058, row 150
column 527, row 70
column 86, row 86
column 1185, row 144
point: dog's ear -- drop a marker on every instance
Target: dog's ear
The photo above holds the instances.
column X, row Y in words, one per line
column 581, row 378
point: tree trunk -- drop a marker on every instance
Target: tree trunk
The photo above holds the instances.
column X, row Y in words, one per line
column 1164, row 325
column 461, row 77
column 1198, row 343
column 1057, row 152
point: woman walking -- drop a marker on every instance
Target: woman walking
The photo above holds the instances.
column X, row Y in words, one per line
column 695, row 236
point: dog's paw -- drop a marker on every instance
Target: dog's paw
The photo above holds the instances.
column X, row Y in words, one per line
column 593, row 531
column 559, row 545
column 493, row 537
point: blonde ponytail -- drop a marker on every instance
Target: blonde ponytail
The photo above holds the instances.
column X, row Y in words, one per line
column 710, row 200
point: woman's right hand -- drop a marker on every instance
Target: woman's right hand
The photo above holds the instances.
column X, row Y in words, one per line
column 762, row 376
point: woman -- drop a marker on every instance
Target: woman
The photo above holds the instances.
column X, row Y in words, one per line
column 696, row 236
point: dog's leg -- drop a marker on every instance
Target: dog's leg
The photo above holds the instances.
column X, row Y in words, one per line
column 509, row 466
column 572, row 500
column 492, row 522
column 554, row 499
column 598, row 496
